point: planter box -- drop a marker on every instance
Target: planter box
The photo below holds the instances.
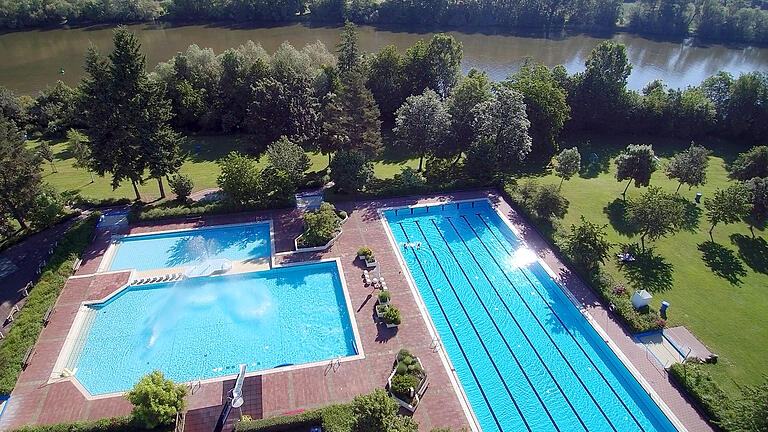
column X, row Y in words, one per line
column 391, row 325
column 322, row 247
column 416, row 399
column 370, row 264
column 379, row 314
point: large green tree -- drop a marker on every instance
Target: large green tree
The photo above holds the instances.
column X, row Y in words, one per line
column 361, row 116
column 19, row 173
column 567, row 164
column 655, row 214
column 545, row 105
column 750, row 164
column 471, row 91
column 444, row 55
column 423, row 125
column 728, row 206
column 689, row 166
column 385, row 80
column 348, row 50
column 128, row 116
column 636, row 163
column 587, row 245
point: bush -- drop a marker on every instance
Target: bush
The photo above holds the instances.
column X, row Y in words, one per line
column 284, row 423
column 320, row 226
column 351, row 171
column 373, row 412
column 699, row 384
column 47, row 210
column 392, row 316
column 402, row 384
column 28, row 323
column 156, row 400
column 544, row 201
column 365, row 252
column 73, row 198
column 110, row 424
column 182, row 186
column 384, row 296
column 240, row 178
column 411, row 180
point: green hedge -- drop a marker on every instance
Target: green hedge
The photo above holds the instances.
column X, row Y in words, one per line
column 333, row 418
column 29, row 322
column 700, row 385
column 113, row 424
column 174, row 209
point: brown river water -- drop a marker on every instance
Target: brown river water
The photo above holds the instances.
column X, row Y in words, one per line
column 31, row 60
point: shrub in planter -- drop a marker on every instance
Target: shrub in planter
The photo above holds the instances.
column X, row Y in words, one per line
column 392, row 316
column 321, row 225
column 156, row 400
column 365, row 253
column 408, row 364
column 402, row 384
column 384, row 296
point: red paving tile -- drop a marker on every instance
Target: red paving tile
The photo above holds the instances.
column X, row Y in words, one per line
column 307, row 388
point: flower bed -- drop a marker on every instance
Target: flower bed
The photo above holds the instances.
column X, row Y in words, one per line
column 407, row 381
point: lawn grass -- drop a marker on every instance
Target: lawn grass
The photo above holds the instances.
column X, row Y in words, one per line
column 202, row 154
column 728, row 317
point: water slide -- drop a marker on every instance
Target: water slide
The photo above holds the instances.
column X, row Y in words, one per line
column 209, row 267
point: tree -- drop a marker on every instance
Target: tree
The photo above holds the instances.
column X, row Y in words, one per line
column 349, row 52
column 321, row 225
column 289, row 159
column 401, row 423
column 750, row 409
column 503, row 123
column 636, row 163
column 416, row 69
column 78, row 147
column 46, row 154
column 548, row 203
column 385, row 80
column 156, row 400
column 19, row 173
column 333, row 137
column 567, row 164
column 587, row 245
column 545, row 106
column 240, row 178
column 127, row 116
column 444, row 58
column 422, row 125
column 655, row 214
column 727, row 206
column 373, row 412
column 747, row 111
column 750, row 164
column 351, row 171
column 471, row 91
column 46, row 209
column 182, row 186
column 361, row 116
column 758, row 193
column 689, row 167
column 53, row 111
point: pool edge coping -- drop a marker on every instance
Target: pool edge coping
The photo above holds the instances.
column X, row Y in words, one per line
column 644, row 384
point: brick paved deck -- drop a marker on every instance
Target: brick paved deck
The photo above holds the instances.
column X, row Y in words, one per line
column 32, row 401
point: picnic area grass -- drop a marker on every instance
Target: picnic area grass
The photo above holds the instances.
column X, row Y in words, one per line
column 717, row 289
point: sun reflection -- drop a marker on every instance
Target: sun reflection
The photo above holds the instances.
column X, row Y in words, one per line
column 522, row 257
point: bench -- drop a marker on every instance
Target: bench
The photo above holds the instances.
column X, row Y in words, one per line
column 14, row 310
column 76, row 264
column 27, row 288
column 27, row 357
column 47, row 316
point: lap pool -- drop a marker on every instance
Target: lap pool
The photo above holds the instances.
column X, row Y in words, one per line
column 525, row 356
column 189, row 247
column 205, row 327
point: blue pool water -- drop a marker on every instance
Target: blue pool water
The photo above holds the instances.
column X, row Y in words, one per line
column 526, row 357
column 182, row 248
column 205, row 327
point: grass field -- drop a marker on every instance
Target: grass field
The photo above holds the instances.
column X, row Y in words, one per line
column 723, row 299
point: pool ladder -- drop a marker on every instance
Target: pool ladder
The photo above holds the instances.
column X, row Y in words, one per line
column 333, row 365
column 435, row 345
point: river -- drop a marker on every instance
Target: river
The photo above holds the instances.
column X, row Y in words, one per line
column 31, row 60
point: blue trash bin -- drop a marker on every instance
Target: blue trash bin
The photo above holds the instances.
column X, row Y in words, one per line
column 698, row 197
column 664, row 306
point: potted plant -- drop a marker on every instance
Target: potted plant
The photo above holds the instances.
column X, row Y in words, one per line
column 381, row 309
column 384, row 297
column 407, row 380
column 391, row 316
column 366, row 254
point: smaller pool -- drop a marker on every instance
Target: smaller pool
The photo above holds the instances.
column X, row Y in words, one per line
column 184, row 248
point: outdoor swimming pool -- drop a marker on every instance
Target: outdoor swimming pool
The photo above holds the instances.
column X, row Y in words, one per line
column 525, row 356
column 183, row 248
column 205, row 327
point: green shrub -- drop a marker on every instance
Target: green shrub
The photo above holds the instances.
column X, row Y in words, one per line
column 285, row 423
column 47, row 210
column 351, row 171
column 365, row 252
column 156, row 400
column 392, row 316
column 182, row 186
column 373, row 412
column 320, row 226
column 73, row 198
column 384, row 296
column 28, row 323
column 402, row 384
column 699, row 384
column 109, row 424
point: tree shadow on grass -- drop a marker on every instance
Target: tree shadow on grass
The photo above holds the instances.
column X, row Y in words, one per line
column 691, row 215
column 649, row 271
column 753, row 251
column 617, row 216
column 723, row 262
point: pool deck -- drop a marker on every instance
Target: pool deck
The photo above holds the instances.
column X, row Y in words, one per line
column 35, row 401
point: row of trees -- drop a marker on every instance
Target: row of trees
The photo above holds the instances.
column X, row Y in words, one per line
column 720, row 20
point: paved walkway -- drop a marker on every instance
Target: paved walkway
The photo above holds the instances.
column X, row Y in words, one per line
column 34, row 401
column 22, row 261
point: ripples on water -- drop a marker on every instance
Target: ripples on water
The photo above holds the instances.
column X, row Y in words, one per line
column 32, row 59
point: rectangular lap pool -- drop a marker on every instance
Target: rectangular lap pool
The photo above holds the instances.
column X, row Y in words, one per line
column 204, row 327
column 184, row 248
column 525, row 356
